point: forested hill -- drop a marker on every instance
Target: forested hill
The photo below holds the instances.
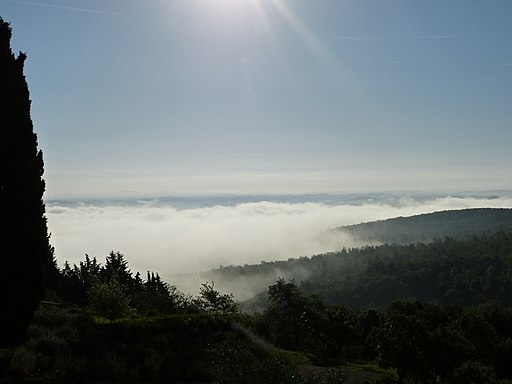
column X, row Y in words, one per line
column 448, row 271
column 325, row 272
column 428, row 227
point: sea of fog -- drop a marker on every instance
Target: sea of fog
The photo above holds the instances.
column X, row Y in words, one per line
column 174, row 235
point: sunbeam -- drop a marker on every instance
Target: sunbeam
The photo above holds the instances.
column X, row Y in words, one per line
column 314, row 45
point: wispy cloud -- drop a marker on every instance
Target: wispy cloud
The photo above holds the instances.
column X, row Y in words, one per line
column 379, row 38
column 427, row 37
column 397, row 62
column 63, row 7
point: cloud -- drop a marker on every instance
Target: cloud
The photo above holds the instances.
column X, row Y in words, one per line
column 159, row 237
column 171, row 240
column 375, row 38
column 155, row 235
column 64, row 7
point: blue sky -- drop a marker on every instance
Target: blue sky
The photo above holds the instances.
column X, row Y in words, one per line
column 163, row 97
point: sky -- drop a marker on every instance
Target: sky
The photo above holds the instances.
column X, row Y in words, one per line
column 274, row 100
column 196, row 97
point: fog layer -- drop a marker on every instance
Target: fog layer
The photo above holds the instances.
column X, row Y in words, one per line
column 157, row 236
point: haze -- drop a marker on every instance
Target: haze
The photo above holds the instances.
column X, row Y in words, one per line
column 156, row 236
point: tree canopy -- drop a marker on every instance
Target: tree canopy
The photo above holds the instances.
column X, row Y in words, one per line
column 26, row 255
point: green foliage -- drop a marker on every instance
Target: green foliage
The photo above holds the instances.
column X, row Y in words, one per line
column 401, row 340
column 109, row 299
column 116, row 268
column 212, row 300
column 204, row 340
column 423, row 341
column 292, row 317
column 448, row 271
column 338, row 276
column 152, row 296
column 76, row 282
column 459, row 224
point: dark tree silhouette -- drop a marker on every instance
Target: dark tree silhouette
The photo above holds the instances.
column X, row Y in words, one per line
column 25, row 252
column 116, row 267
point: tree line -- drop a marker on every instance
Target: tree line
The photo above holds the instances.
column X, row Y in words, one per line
column 114, row 291
column 448, row 271
column 424, row 343
column 425, row 228
column 415, row 341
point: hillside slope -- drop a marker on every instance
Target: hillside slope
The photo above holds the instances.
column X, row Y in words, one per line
column 463, row 272
column 428, row 227
column 247, row 281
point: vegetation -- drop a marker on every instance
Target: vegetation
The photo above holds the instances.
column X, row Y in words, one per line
column 400, row 236
column 446, row 271
column 111, row 289
column 108, row 337
column 458, row 224
column 112, row 325
column 421, row 342
column 438, row 312
column 109, row 299
column 27, row 258
column 213, row 301
column 298, row 339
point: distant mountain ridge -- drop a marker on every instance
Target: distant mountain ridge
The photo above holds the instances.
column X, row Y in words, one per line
column 428, row 227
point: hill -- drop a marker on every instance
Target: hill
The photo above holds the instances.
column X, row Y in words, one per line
column 428, row 227
column 323, row 273
column 450, row 272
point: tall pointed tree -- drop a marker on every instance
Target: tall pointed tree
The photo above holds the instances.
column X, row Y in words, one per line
column 25, row 252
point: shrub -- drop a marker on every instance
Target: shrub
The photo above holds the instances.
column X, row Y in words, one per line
column 109, row 299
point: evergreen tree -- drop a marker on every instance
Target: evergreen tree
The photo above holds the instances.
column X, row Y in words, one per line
column 116, row 267
column 25, row 253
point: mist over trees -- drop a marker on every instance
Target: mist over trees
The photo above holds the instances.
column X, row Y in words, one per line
column 113, row 325
column 26, row 255
column 392, row 266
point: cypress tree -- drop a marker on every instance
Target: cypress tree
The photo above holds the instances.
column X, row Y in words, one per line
column 25, row 253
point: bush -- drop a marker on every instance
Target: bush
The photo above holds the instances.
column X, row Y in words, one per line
column 109, row 299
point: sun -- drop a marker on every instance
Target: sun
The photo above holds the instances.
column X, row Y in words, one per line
column 238, row 5
column 229, row 12
column 233, row 17
column 233, row 2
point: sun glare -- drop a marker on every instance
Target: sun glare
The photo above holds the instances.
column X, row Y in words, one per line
column 230, row 3
column 234, row 17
